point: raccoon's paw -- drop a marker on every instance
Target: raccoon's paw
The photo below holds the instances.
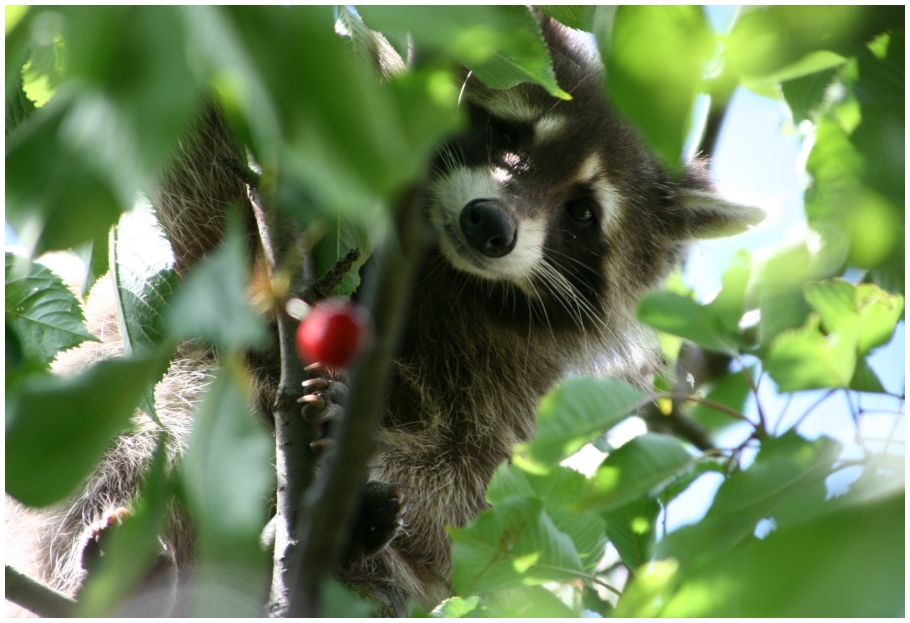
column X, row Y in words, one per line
column 99, row 535
column 379, row 521
column 321, row 404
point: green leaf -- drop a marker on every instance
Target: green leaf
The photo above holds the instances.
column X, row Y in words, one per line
column 18, row 106
column 524, row 603
column 654, row 61
column 807, row 359
column 513, row 544
column 227, row 473
column 42, row 311
column 137, row 56
column 812, row 63
column 643, row 466
column 681, row 315
column 133, row 548
column 632, row 530
column 796, row 572
column 786, row 482
column 338, row 601
column 856, row 319
column 213, row 304
column 780, row 278
column 579, row 17
column 95, row 256
column 55, row 197
column 572, row 414
column 455, row 607
column 865, row 379
column 340, row 237
column 559, row 489
column 502, row 45
column 145, row 281
column 57, row 429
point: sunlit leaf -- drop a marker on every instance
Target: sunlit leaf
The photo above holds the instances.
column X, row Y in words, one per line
column 513, row 544
column 641, row 467
column 681, row 315
column 632, row 530
column 574, row 413
column 45, row 315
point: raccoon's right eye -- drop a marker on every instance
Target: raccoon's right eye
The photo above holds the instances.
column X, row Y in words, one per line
column 580, row 212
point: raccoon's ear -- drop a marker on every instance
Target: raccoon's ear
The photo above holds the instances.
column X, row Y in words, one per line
column 710, row 216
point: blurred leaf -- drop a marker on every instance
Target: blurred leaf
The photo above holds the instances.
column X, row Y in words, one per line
column 856, row 320
column 796, row 572
column 502, row 45
column 227, row 472
column 213, row 304
column 648, row 591
column 641, row 467
column 681, row 315
column 455, row 607
column 654, row 62
column 18, row 106
column 42, row 311
column 526, row 602
column 95, row 256
column 136, row 56
column 785, row 482
column 55, row 198
column 632, row 530
column 865, row 379
column 339, row 601
column 779, row 279
column 133, row 548
column 572, row 414
column 866, row 310
column 513, row 544
column 806, row 358
column 579, row 17
column 57, row 428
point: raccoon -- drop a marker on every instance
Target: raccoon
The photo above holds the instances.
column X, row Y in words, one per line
column 550, row 219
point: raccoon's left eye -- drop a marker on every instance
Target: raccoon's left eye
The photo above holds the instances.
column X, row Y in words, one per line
column 580, row 212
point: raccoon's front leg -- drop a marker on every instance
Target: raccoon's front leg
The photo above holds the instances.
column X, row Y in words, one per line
column 382, row 506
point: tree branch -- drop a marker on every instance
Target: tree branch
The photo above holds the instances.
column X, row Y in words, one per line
column 330, row 504
column 284, row 246
column 36, row 597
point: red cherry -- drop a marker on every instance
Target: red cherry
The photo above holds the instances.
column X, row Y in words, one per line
column 332, row 333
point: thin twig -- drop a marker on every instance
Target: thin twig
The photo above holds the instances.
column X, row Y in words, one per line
column 708, row 403
column 323, row 287
column 609, row 587
column 36, row 597
column 761, row 413
column 812, row 408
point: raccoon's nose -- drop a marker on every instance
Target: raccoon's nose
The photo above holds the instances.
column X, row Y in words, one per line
column 488, row 227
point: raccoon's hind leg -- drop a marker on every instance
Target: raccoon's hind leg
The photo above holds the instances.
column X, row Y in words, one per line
column 382, row 506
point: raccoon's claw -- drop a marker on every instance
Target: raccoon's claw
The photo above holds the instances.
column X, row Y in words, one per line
column 380, row 520
column 321, row 405
column 99, row 536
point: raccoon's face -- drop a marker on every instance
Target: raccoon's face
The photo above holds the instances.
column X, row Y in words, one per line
column 560, row 200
